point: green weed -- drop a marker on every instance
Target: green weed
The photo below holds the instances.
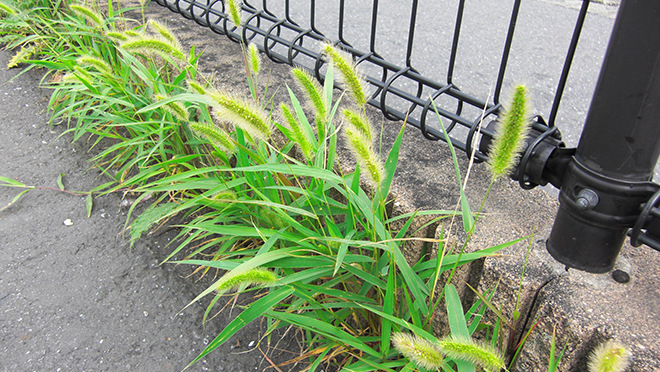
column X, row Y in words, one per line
column 318, row 243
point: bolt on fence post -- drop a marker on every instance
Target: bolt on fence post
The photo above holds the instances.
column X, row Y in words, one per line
column 610, row 175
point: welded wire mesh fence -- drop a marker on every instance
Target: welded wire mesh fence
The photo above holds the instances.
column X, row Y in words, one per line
column 382, row 40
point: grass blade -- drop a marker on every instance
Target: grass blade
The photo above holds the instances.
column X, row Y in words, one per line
column 388, row 307
column 490, row 305
column 343, row 248
column 89, row 204
column 11, row 183
column 390, row 165
column 468, row 219
column 457, row 322
column 15, row 199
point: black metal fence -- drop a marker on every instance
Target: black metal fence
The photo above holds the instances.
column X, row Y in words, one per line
column 284, row 40
column 401, row 92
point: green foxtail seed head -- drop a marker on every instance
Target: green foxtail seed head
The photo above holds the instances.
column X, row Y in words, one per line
column 300, row 136
column 609, row 357
column 254, row 58
column 509, row 139
column 314, row 94
column 243, row 279
column 472, row 351
column 118, row 36
column 313, row 91
column 272, row 220
column 165, row 32
column 23, row 55
column 419, row 350
column 196, row 87
column 78, row 75
column 352, row 81
column 177, row 109
column 132, row 33
column 242, row 113
column 149, row 45
column 87, row 13
column 234, row 11
column 94, row 62
column 365, row 155
column 219, row 137
column 360, row 123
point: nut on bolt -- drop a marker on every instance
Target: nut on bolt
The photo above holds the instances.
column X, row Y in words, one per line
column 586, row 199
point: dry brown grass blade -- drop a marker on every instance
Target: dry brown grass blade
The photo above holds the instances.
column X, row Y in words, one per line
column 269, row 361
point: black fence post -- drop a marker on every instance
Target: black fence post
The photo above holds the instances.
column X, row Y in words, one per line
column 610, row 174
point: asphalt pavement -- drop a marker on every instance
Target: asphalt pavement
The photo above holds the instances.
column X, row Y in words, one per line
column 73, row 295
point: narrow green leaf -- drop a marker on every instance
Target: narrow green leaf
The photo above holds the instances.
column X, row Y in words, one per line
column 552, row 366
column 455, row 314
column 391, row 163
column 367, row 277
column 305, row 276
column 337, row 293
column 304, row 123
column 89, row 204
column 490, row 305
column 417, row 330
column 319, row 359
column 111, row 11
column 15, row 199
column 343, row 248
column 388, row 307
column 468, row 219
column 457, row 322
column 293, row 169
column 449, row 261
column 269, row 243
column 11, row 183
column 59, row 181
column 332, row 146
column 522, row 343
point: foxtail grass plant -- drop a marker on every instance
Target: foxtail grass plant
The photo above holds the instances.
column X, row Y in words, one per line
column 320, row 249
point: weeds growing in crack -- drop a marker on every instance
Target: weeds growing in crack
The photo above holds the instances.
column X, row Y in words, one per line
column 315, row 242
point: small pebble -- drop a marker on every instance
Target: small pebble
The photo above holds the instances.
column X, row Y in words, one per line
column 68, row 222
